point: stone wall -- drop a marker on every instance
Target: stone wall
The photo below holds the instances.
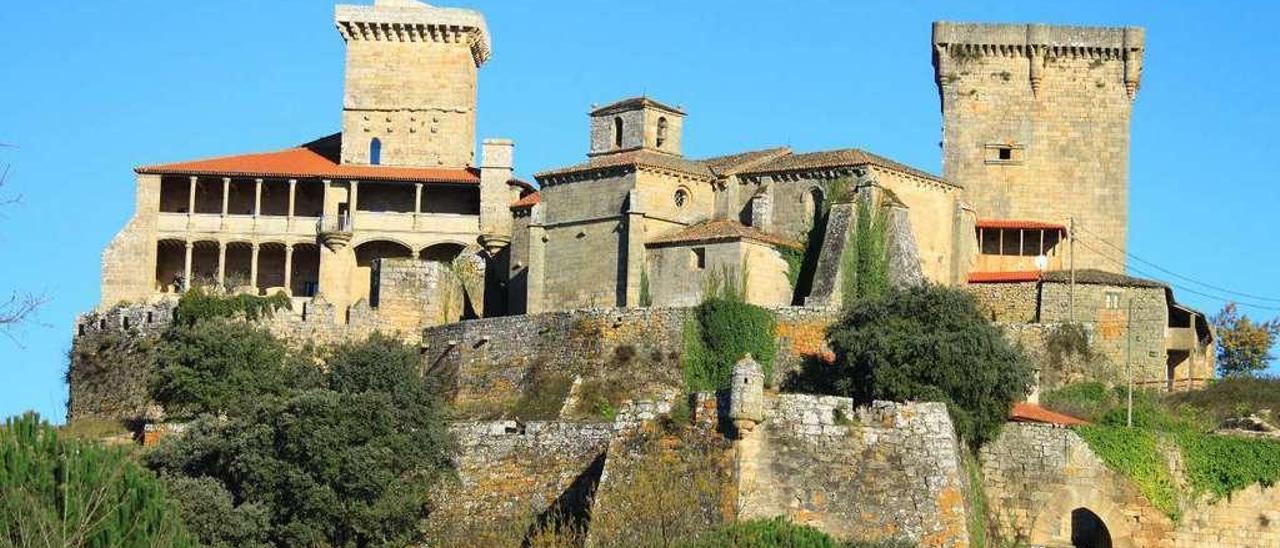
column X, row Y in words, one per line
column 676, row 279
column 880, row 472
column 514, row 474
column 1059, row 101
column 1037, row 475
column 1007, row 302
column 1117, row 336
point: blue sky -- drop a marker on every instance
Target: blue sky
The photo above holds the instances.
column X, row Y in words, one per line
column 89, row 90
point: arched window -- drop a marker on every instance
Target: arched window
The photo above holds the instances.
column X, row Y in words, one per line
column 375, row 151
column 617, row 132
column 662, row 130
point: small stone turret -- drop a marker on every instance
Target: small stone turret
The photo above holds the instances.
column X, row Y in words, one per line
column 496, row 193
column 746, row 395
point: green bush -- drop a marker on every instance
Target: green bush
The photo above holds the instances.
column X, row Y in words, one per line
column 196, row 305
column 219, row 366
column 719, row 334
column 1136, row 454
column 927, row 344
column 1232, row 397
column 349, row 462
column 56, row 491
column 765, row 533
column 1086, row 400
column 1221, row 465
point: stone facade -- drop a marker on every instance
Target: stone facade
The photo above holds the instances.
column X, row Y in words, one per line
column 1036, row 123
column 880, row 472
column 1037, row 475
column 411, row 73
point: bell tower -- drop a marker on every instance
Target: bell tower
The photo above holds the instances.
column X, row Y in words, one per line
column 638, row 123
column 410, row 89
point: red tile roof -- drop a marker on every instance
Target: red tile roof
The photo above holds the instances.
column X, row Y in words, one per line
column 1019, row 223
column 1004, row 277
column 317, row 159
column 528, row 200
column 1030, row 412
column 710, row 231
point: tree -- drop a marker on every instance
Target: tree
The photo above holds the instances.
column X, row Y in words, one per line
column 222, row 366
column 349, row 462
column 65, row 492
column 927, row 343
column 19, row 306
column 1243, row 345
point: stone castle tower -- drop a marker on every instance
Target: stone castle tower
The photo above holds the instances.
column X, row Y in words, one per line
column 410, row 97
column 1035, row 125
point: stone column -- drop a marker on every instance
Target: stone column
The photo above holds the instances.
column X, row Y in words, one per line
column 191, row 197
column 257, row 197
column 352, row 205
column 417, row 203
column 293, row 186
column 288, row 269
column 535, row 271
column 226, row 194
column 253, row 267
column 186, row 267
column 635, row 258
column 222, row 259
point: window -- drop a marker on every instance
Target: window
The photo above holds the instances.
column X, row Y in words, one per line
column 1003, row 153
column 662, row 131
column 681, row 197
column 1113, row 300
column 375, row 152
column 700, row 258
column 617, row 132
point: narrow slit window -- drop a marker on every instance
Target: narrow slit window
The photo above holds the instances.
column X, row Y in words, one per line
column 700, row 258
column 375, row 152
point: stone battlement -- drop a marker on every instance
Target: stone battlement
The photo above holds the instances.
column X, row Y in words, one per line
column 1068, row 38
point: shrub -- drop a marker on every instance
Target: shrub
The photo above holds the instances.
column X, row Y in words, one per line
column 219, row 366
column 764, row 533
column 347, row 463
column 196, row 305
column 56, row 491
column 719, row 334
column 1086, row 400
column 1136, row 454
column 1221, row 465
column 928, row 343
column 1232, row 397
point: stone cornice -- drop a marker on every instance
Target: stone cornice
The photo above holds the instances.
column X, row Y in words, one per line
column 415, row 23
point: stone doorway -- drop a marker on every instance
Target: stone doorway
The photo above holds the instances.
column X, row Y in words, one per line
column 1088, row 530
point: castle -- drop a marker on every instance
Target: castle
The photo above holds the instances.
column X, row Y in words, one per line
column 586, row 279
column 393, row 221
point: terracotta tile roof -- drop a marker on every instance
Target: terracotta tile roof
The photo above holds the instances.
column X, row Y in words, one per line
column 317, row 159
column 734, row 163
column 712, row 231
column 1004, row 277
column 1100, row 277
column 1018, row 223
column 528, row 200
column 848, row 157
column 1030, row 412
column 632, row 103
column 639, row 157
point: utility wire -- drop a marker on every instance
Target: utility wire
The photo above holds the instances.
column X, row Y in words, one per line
column 1216, row 298
column 1175, row 274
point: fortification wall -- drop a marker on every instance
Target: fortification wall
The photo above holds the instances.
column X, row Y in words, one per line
column 886, row 471
column 1036, row 475
column 492, row 363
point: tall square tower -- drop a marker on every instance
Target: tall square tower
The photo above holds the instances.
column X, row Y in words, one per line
column 410, row 93
column 1035, row 125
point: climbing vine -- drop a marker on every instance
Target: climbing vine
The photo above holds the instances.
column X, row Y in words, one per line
column 1135, row 453
column 197, row 305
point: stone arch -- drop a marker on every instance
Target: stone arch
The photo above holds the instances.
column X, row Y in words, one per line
column 1053, row 525
column 359, row 242
column 366, row 253
column 1088, row 530
column 442, row 252
column 814, row 204
column 171, row 264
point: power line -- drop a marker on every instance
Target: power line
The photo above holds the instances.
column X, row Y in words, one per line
column 1175, row 274
column 1217, row 298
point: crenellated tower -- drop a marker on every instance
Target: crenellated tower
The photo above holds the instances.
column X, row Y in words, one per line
column 410, row 97
column 1035, row 125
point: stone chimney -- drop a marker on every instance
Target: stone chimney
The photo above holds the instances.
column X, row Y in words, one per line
column 746, row 396
column 496, row 166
